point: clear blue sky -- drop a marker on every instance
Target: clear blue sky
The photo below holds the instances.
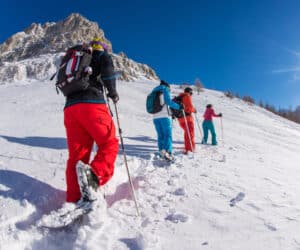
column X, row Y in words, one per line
column 249, row 47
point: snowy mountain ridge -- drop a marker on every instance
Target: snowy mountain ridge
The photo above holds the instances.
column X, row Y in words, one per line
column 41, row 46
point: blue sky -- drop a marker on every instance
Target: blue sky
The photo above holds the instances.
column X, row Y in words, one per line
column 247, row 47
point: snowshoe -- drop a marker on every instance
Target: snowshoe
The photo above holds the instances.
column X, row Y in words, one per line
column 88, row 181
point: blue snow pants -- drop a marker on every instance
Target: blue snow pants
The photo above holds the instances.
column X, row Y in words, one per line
column 209, row 126
column 163, row 128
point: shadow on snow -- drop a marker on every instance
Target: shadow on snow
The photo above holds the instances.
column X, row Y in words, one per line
column 23, row 187
column 123, row 191
column 39, row 141
column 145, row 150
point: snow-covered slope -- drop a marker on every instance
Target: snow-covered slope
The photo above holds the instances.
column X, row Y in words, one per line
column 242, row 194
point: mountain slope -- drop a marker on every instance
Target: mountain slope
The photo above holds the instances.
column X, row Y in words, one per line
column 242, row 194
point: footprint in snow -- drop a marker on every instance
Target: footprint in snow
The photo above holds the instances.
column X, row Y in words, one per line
column 238, row 198
column 175, row 218
column 137, row 243
column 223, row 159
column 270, row 226
column 179, row 192
column 170, row 182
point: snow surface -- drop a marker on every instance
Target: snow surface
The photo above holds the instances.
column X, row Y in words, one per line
column 242, row 194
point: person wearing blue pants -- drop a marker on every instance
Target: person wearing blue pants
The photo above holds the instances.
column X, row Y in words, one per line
column 162, row 121
column 208, row 125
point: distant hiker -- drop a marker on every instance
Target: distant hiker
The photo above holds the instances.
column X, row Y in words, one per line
column 87, row 120
column 186, row 122
column 208, row 125
column 162, row 120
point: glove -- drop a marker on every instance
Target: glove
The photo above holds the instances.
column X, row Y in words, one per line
column 195, row 111
column 220, row 115
column 114, row 96
column 181, row 106
column 88, row 70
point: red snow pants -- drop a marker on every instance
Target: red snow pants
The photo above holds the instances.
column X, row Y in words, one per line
column 85, row 124
column 191, row 130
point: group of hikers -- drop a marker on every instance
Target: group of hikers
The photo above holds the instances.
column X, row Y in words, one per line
column 87, row 78
column 181, row 108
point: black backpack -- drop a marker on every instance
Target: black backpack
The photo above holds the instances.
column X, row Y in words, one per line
column 153, row 105
column 73, row 73
column 177, row 113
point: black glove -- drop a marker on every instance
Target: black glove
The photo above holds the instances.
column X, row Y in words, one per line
column 181, row 106
column 114, row 96
column 195, row 111
column 220, row 115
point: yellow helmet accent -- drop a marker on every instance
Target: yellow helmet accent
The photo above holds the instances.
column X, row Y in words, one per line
column 97, row 43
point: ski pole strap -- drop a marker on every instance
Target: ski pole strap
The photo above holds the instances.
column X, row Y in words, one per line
column 52, row 77
column 61, row 66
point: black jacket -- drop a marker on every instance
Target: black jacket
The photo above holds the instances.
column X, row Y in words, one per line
column 103, row 69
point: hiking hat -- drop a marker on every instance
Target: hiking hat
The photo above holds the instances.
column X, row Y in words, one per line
column 98, row 44
column 188, row 90
column 162, row 82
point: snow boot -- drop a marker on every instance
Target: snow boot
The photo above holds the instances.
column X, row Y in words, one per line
column 162, row 153
column 166, row 155
column 88, row 181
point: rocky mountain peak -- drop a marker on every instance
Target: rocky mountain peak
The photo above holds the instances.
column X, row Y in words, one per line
column 48, row 40
column 52, row 38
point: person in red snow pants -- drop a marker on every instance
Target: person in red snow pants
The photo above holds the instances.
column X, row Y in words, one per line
column 189, row 128
column 85, row 124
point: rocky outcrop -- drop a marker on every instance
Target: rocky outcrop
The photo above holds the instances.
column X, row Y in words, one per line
column 131, row 70
column 52, row 37
column 35, row 52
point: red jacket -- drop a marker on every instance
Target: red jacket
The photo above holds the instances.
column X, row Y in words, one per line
column 209, row 114
column 189, row 108
column 187, row 102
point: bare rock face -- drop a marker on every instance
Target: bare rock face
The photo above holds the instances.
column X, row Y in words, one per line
column 53, row 37
column 35, row 52
column 131, row 70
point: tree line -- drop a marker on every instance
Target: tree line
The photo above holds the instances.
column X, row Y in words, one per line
column 290, row 114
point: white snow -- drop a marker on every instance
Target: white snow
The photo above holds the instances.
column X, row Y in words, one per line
column 242, row 194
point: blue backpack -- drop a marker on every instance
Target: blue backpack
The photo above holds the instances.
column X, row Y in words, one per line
column 153, row 105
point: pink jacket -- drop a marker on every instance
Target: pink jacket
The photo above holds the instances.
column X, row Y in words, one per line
column 209, row 114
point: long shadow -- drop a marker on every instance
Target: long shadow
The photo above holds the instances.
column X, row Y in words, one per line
column 141, row 138
column 39, row 141
column 23, row 187
column 141, row 151
column 146, row 139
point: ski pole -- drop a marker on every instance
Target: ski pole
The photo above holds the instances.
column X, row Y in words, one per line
column 222, row 132
column 197, row 121
column 188, row 130
column 125, row 160
column 122, row 145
